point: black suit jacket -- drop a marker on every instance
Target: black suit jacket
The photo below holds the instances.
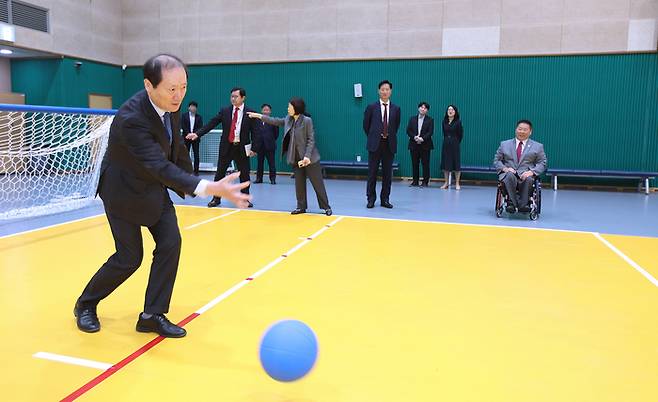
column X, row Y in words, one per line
column 140, row 164
column 373, row 127
column 426, row 132
column 224, row 117
column 185, row 123
column 266, row 136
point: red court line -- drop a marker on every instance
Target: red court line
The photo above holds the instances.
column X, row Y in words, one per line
column 105, row 374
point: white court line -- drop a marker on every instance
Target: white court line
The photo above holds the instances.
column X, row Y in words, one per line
column 484, row 225
column 50, row 226
column 212, row 219
column 72, row 360
column 266, row 268
column 630, row 262
column 221, row 297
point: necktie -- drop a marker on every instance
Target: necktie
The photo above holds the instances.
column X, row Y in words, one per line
column 385, row 122
column 234, row 122
column 519, row 148
column 167, row 124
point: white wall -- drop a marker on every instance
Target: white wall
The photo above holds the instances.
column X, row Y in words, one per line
column 218, row 31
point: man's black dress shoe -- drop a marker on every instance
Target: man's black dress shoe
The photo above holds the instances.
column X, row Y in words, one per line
column 272, row 181
column 413, row 185
column 297, row 211
column 510, row 209
column 258, row 181
column 214, row 202
column 250, row 205
column 159, row 324
column 328, row 211
column 86, row 319
column 387, row 204
column 371, row 204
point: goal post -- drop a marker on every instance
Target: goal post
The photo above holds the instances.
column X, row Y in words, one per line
column 50, row 158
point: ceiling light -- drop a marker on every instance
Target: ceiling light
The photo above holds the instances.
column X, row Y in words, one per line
column 5, row 51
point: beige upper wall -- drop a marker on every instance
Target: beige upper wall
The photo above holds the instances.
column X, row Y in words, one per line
column 89, row 29
column 217, row 31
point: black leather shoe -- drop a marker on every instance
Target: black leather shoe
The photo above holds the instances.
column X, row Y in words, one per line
column 371, row 204
column 272, row 181
column 159, row 324
column 258, row 181
column 214, row 202
column 510, row 209
column 413, row 185
column 328, row 212
column 86, row 319
column 297, row 211
column 250, row 205
column 387, row 204
column 424, row 185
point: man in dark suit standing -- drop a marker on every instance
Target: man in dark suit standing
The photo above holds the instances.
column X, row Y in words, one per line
column 420, row 130
column 145, row 156
column 235, row 144
column 265, row 141
column 191, row 122
column 381, row 121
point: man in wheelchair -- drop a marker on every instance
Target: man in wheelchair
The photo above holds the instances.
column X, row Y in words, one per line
column 519, row 161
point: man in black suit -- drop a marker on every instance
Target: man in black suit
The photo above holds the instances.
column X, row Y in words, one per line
column 191, row 122
column 235, row 144
column 420, row 130
column 381, row 121
column 145, row 156
column 265, row 140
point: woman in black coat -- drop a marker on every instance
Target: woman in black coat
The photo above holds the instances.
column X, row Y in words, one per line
column 453, row 132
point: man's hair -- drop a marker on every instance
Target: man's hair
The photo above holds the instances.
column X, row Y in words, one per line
column 155, row 65
column 266, row 104
column 385, row 82
column 299, row 105
column 193, row 103
column 524, row 121
column 427, row 105
column 243, row 93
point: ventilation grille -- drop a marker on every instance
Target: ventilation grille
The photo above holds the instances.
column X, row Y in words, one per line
column 29, row 16
column 4, row 11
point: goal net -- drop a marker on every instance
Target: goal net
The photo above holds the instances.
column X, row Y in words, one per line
column 50, row 158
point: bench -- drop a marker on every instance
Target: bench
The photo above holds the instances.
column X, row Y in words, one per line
column 352, row 165
column 644, row 177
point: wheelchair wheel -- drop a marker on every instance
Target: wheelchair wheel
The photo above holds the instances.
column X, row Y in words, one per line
column 499, row 203
column 534, row 214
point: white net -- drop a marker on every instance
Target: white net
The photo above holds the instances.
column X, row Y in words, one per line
column 49, row 160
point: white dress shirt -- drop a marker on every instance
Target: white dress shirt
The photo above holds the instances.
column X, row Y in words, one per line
column 192, row 120
column 381, row 106
column 421, row 119
column 200, row 189
column 523, row 145
column 238, row 124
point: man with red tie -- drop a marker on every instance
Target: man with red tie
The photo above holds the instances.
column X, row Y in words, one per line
column 235, row 144
column 519, row 160
column 381, row 121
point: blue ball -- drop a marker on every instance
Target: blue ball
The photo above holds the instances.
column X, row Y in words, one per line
column 288, row 350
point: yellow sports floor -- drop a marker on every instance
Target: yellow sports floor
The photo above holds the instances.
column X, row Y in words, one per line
column 403, row 311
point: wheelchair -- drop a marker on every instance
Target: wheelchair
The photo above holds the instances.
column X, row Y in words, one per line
column 502, row 199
